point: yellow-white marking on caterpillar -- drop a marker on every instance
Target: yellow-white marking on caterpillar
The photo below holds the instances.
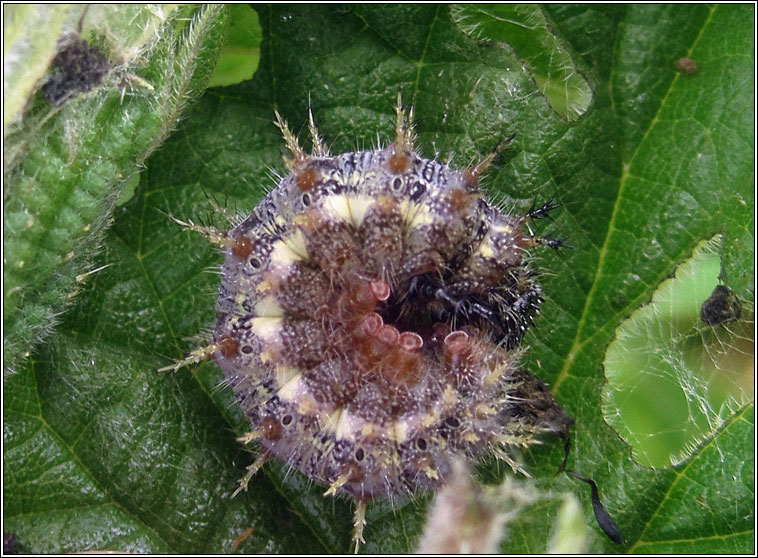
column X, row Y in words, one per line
column 268, row 307
column 430, row 472
column 279, row 222
column 399, row 431
column 505, row 229
column 359, row 205
column 431, row 418
column 449, row 397
column 263, row 286
column 484, row 250
column 330, row 421
column 415, row 215
column 470, row 437
column 483, row 410
column 295, row 389
column 496, row 374
column 289, row 249
column 284, row 374
column 267, row 329
column 371, row 430
column 306, row 403
column 290, row 390
column 346, row 427
column 339, row 206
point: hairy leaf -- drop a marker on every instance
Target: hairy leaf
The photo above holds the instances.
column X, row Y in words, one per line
column 65, row 164
column 102, row 452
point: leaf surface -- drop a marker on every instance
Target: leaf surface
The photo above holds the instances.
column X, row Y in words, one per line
column 105, row 453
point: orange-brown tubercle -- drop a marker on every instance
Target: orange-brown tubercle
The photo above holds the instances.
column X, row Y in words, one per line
column 271, row 429
column 242, row 247
column 460, row 200
column 399, row 162
column 229, row 346
column 471, row 178
column 307, row 179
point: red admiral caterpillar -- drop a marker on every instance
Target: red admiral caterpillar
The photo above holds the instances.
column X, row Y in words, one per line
column 368, row 321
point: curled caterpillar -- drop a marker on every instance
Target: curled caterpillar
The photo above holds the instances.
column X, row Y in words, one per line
column 369, row 320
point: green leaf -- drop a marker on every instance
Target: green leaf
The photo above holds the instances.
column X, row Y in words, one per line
column 673, row 378
column 102, row 452
column 674, row 526
column 240, row 55
column 64, row 167
column 30, row 34
column 525, row 28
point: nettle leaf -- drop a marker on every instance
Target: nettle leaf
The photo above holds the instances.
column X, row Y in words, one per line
column 30, row 35
column 240, row 55
column 103, row 452
column 119, row 88
column 525, row 28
